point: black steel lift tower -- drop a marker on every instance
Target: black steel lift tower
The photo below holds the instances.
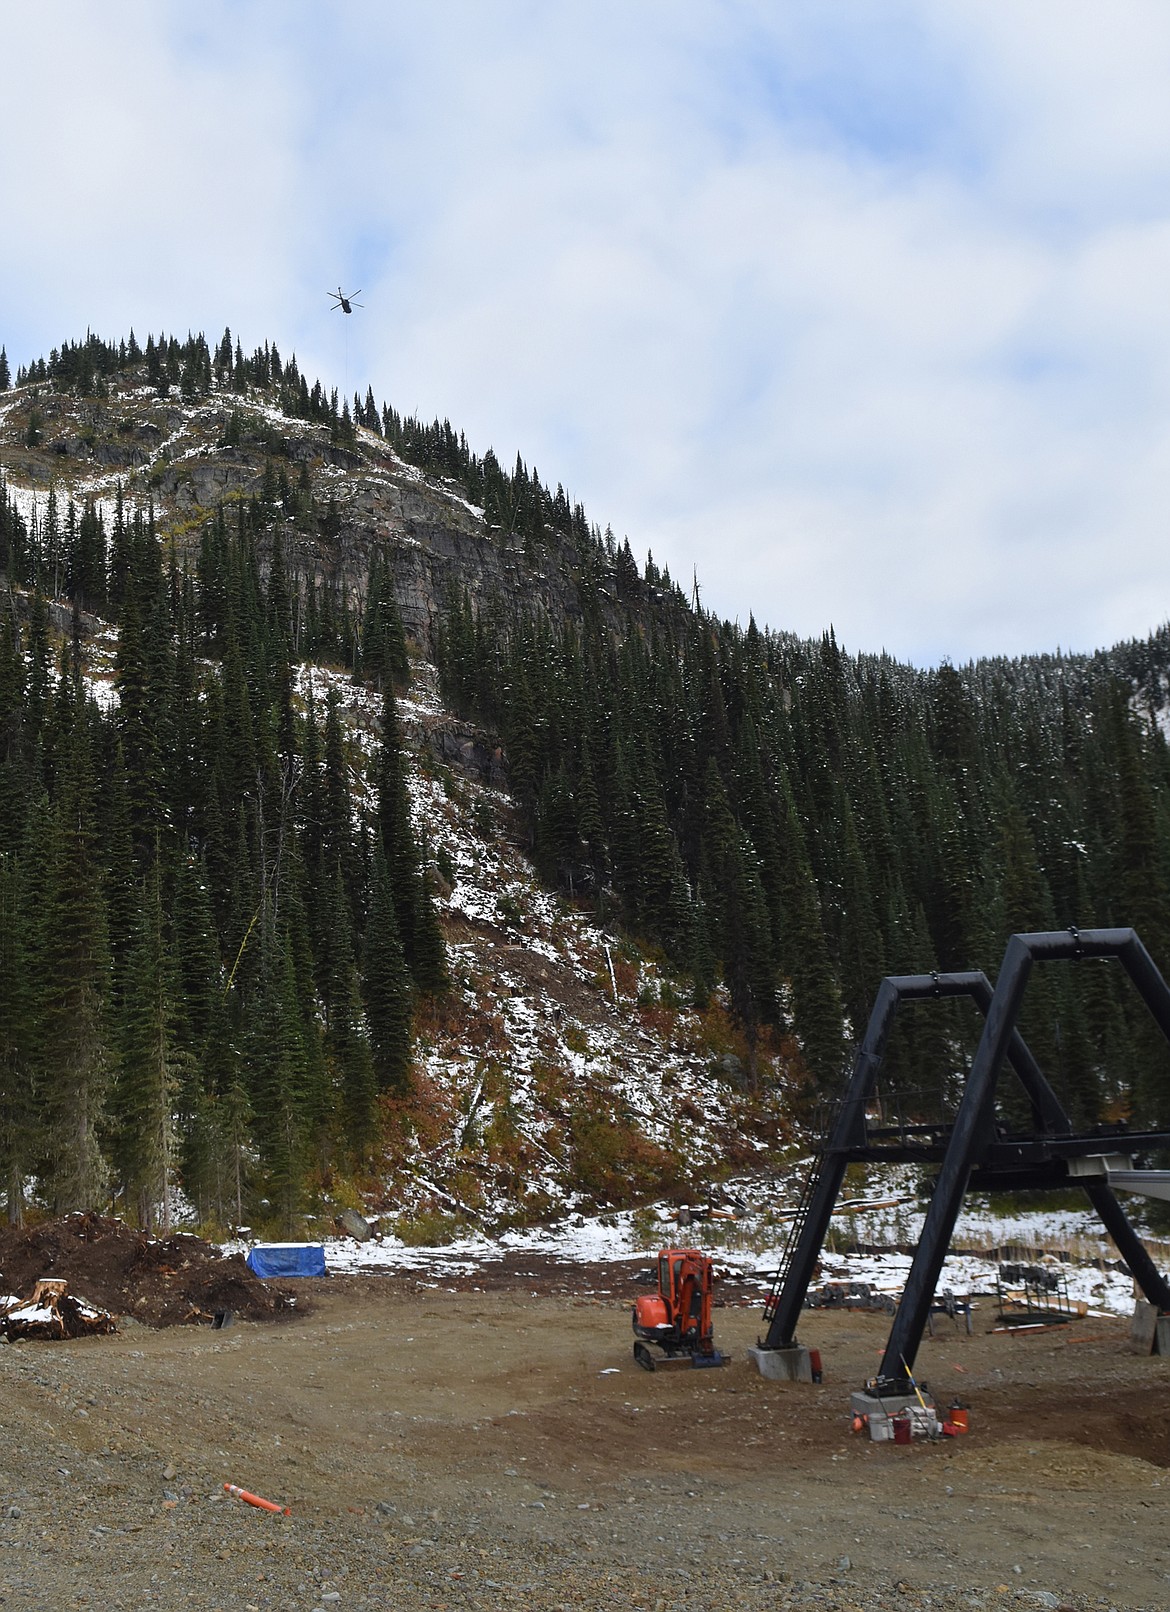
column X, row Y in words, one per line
column 971, row 1150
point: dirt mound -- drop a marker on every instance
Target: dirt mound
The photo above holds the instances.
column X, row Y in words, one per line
column 160, row 1281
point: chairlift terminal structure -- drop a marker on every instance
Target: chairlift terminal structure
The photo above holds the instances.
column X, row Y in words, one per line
column 972, row 1151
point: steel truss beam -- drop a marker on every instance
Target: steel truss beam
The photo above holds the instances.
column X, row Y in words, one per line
column 972, row 1139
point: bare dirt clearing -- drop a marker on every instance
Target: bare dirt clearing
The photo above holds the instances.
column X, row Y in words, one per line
column 462, row 1449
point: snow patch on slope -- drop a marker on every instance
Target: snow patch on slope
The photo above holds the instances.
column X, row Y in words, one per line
column 749, row 1250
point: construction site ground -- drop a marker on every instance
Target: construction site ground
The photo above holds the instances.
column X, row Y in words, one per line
column 489, row 1442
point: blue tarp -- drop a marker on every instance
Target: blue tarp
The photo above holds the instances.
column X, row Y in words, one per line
column 287, row 1259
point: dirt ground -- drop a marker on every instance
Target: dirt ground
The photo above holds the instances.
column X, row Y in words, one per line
column 449, row 1449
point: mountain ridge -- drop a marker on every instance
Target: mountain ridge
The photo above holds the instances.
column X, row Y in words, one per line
column 526, row 1054
column 778, row 822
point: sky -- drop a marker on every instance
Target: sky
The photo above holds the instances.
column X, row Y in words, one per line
column 860, row 311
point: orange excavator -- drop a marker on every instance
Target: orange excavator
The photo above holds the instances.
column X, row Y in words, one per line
column 677, row 1319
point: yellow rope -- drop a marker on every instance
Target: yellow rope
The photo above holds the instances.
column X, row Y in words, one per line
column 240, row 953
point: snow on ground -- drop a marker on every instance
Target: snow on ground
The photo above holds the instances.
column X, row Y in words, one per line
column 98, row 679
column 540, row 968
column 1101, row 1289
column 540, row 1015
column 551, row 1022
column 99, row 489
column 1091, row 1279
column 421, row 700
column 11, row 400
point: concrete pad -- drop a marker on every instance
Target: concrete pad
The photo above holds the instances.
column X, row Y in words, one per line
column 878, row 1412
column 1143, row 1328
column 863, row 1404
column 783, row 1365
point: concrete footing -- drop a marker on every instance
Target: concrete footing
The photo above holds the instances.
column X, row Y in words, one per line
column 878, row 1414
column 1149, row 1332
column 863, row 1404
column 783, row 1365
column 1143, row 1330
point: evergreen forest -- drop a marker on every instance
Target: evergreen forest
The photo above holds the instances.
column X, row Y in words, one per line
column 217, row 921
column 216, row 918
column 797, row 822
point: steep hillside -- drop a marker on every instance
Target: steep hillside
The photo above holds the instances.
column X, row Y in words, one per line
column 670, row 856
column 555, row 1065
column 566, row 1068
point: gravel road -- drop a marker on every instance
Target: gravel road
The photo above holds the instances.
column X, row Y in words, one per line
column 454, row 1450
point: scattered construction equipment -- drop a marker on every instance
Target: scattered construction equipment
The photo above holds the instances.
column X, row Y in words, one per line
column 1034, row 1296
column 973, row 1149
column 851, row 1296
column 677, row 1319
column 952, row 1306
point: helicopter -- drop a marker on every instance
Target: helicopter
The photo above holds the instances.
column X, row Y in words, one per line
column 344, row 302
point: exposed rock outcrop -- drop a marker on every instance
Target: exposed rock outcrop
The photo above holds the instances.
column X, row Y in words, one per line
column 186, row 459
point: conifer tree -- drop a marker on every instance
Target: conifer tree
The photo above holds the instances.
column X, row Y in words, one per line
column 216, row 1140
column 277, row 1069
column 149, row 1071
column 386, row 985
column 139, row 702
column 765, row 809
column 861, row 952
column 558, row 841
column 70, row 967
column 414, row 910
column 805, row 958
column 589, row 819
column 1023, row 905
column 346, row 1048
column 36, row 702
column 197, row 964
column 87, row 558
column 337, row 834
column 14, row 772
column 922, row 1055
column 383, row 642
column 120, row 882
column 317, row 1097
column 18, row 1107
column 739, row 911
column 427, row 954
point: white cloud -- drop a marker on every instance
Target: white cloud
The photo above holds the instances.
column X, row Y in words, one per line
column 860, row 308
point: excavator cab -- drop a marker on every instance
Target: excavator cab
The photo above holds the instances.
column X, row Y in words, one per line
column 677, row 1319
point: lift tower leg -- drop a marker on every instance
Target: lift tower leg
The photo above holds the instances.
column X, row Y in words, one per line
column 848, row 1134
column 974, row 1124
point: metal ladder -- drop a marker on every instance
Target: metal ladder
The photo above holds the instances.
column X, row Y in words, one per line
column 794, row 1231
column 828, row 1131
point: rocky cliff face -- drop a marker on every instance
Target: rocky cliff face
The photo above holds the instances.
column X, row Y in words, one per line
column 189, row 458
